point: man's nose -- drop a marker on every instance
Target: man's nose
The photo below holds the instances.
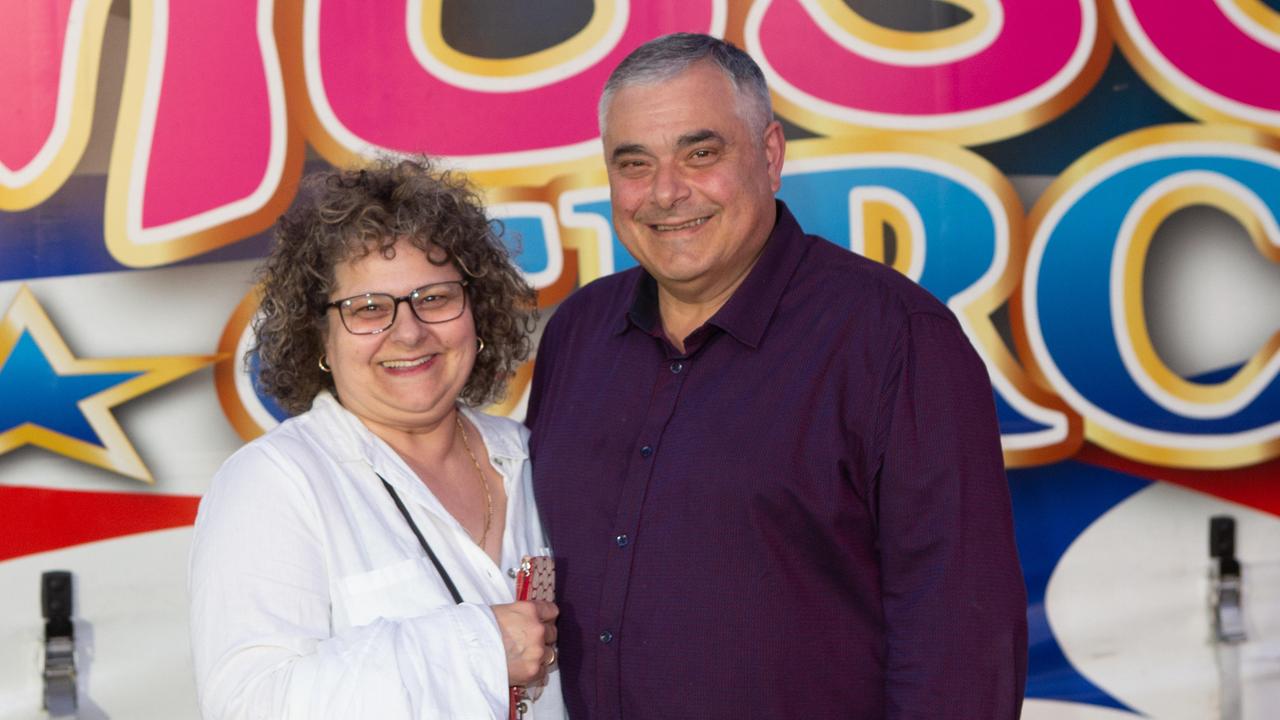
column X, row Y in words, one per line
column 669, row 186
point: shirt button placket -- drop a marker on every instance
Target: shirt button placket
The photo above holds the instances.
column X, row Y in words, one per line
column 671, row 376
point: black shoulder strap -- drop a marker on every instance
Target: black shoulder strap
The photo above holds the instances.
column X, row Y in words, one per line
column 448, row 581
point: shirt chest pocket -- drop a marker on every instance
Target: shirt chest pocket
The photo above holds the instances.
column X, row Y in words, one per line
column 404, row 589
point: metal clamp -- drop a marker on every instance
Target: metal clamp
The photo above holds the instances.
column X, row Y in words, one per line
column 1228, row 610
column 60, row 696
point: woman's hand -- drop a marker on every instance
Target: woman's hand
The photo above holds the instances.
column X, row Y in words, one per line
column 528, row 634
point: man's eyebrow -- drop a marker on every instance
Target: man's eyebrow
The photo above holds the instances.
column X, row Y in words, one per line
column 627, row 149
column 686, row 140
column 699, row 136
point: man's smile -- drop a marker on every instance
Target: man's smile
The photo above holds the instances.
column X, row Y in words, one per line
column 662, row 227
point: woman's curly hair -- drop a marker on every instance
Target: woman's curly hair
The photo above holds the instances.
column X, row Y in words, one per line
column 343, row 215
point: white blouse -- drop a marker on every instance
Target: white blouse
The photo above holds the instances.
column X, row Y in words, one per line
column 311, row 598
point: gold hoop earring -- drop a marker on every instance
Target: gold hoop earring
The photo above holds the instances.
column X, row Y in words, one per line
column 324, row 366
column 479, row 345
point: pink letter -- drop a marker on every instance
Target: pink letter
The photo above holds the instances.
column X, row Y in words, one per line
column 379, row 77
column 1217, row 61
column 1012, row 66
column 202, row 149
column 49, row 54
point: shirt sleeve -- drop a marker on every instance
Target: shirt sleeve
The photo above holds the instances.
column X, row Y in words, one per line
column 953, row 594
column 261, row 625
column 542, row 369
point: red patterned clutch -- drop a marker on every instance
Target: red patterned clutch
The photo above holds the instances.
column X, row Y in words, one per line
column 535, row 580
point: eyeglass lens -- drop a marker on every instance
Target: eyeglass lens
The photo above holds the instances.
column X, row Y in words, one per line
column 375, row 312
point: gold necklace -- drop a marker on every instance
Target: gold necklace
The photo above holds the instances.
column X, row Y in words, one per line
column 488, row 497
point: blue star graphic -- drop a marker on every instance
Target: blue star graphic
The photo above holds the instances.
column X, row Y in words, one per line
column 31, row 392
column 52, row 399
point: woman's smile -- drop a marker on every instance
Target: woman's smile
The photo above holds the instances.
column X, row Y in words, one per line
column 421, row 363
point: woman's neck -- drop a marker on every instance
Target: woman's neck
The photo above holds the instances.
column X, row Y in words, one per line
column 427, row 444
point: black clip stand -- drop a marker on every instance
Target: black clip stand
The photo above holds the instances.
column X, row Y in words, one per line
column 60, row 697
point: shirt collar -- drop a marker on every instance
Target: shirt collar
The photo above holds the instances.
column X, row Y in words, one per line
column 643, row 312
column 351, row 440
column 500, row 444
column 747, row 313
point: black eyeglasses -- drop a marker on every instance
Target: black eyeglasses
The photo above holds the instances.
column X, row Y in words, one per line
column 372, row 313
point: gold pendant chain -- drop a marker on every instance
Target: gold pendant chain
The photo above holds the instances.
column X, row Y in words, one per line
column 488, row 497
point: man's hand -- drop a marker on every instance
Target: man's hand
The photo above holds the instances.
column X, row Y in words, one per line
column 528, row 634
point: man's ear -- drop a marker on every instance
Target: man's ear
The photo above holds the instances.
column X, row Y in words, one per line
column 775, row 151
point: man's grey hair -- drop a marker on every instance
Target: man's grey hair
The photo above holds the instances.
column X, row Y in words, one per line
column 665, row 57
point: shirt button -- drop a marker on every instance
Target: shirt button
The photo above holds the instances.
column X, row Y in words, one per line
column 606, row 637
column 646, row 451
column 677, row 366
column 622, row 540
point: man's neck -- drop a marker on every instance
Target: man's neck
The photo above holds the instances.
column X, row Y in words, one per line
column 683, row 310
column 684, row 307
column 679, row 318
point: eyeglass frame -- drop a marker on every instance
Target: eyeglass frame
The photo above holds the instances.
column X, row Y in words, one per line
column 395, row 306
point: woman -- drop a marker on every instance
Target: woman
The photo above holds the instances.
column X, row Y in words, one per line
column 389, row 311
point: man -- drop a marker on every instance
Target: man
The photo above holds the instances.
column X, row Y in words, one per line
column 769, row 468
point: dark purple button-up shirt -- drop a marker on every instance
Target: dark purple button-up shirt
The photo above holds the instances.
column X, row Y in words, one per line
column 804, row 515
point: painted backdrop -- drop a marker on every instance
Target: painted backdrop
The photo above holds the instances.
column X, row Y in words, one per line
column 1091, row 185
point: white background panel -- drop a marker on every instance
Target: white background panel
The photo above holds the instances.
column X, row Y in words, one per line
column 1129, row 603
column 131, row 628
